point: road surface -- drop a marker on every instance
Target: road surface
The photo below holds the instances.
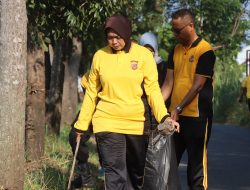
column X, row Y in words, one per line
column 228, row 159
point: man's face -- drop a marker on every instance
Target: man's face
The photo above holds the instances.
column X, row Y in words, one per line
column 115, row 41
column 182, row 29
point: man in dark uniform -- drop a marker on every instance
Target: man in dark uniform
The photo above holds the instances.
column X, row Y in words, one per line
column 190, row 81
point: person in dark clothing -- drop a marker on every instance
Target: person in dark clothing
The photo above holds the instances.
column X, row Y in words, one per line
column 189, row 81
column 83, row 178
column 149, row 40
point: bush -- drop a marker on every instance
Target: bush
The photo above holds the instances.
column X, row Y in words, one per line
column 227, row 86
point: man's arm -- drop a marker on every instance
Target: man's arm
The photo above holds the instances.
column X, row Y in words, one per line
column 198, row 84
column 167, row 86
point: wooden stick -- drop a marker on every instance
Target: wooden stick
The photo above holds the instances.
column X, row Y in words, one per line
column 78, row 139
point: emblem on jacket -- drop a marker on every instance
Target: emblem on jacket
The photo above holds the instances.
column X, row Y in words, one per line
column 191, row 59
column 134, row 64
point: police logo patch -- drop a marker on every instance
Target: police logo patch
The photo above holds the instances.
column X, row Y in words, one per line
column 191, row 59
column 134, row 64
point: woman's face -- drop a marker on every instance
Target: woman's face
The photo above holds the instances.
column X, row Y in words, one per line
column 115, row 41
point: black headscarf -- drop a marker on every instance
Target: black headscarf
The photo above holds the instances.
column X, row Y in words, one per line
column 122, row 26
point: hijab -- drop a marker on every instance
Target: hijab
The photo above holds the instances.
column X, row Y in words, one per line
column 150, row 39
column 122, row 26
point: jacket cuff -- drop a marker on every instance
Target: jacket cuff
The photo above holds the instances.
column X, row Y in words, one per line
column 164, row 118
column 78, row 130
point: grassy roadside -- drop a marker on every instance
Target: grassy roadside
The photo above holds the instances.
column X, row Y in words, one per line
column 52, row 172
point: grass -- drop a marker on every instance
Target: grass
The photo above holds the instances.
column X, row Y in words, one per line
column 52, row 171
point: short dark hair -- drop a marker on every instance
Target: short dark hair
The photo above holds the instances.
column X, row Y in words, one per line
column 182, row 13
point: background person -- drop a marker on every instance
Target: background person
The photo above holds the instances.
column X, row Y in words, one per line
column 149, row 40
column 117, row 75
column 189, row 78
column 83, row 177
column 245, row 90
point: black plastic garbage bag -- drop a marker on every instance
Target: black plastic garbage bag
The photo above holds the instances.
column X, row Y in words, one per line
column 160, row 167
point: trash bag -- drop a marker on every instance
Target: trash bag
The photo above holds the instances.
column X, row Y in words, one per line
column 160, row 159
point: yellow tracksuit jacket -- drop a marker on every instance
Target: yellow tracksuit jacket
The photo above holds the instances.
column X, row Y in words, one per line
column 115, row 79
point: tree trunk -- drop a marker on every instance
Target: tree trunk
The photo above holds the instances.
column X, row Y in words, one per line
column 54, row 102
column 35, row 105
column 70, row 91
column 13, row 40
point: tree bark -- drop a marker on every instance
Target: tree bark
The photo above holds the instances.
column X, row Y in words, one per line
column 70, row 91
column 13, row 40
column 35, row 105
column 54, row 101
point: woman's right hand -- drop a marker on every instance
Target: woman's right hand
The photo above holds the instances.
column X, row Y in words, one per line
column 175, row 125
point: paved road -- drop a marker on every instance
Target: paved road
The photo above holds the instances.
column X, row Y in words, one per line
column 228, row 157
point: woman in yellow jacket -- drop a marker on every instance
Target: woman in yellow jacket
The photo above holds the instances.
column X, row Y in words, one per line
column 118, row 74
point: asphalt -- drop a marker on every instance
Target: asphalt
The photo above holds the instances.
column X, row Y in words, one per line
column 228, row 159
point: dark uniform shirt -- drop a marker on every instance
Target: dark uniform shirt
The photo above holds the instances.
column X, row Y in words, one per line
column 186, row 63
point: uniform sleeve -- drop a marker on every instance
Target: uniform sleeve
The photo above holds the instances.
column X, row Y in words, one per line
column 84, row 80
column 90, row 98
column 152, row 88
column 170, row 63
column 205, row 65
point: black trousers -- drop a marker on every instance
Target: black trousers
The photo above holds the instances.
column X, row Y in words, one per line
column 123, row 159
column 193, row 137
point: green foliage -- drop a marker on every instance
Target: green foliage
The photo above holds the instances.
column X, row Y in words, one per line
column 227, row 87
column 50, row 20
column 166, row 38
column 152, row 18
column 221, row 22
